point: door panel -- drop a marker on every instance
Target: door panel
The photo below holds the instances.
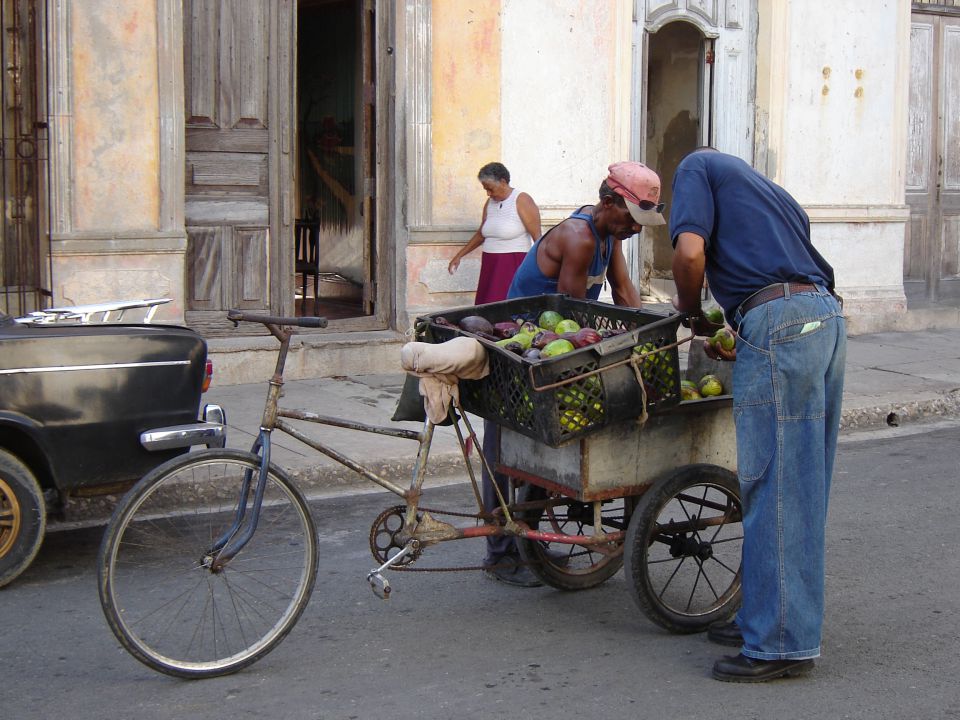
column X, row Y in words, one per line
column 932, row 247
column 227, row 66
column 949, row 191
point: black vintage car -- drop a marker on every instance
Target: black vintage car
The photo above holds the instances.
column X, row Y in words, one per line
column 86, row 408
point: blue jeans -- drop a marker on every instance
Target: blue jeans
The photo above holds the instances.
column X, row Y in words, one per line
column 787, row 389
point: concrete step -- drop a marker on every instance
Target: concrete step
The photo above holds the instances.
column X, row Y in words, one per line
column 251, row 359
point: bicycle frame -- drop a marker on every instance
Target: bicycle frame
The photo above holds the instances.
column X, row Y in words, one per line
column 425, row 529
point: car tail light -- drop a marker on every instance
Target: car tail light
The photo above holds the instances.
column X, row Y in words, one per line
column 207, row 376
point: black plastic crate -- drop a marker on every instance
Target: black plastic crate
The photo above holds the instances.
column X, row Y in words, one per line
column 509, row 395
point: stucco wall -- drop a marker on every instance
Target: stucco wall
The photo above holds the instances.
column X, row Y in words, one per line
column 831, row 105
column 115, row 114
column 466, row 105
column 562, row 114
column 842, row 95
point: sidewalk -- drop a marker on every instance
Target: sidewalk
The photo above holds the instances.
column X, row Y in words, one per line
column 895, row 377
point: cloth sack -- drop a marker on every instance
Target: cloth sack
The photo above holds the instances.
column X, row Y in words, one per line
column 440, row 368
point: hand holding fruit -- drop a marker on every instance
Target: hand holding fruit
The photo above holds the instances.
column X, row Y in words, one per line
column 722, row 345
column 703, row 323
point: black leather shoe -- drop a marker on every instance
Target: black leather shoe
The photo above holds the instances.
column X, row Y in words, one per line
column 740, row 668
column 511, row 571
column 725, row 633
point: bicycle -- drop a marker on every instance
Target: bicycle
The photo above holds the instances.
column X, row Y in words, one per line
column 209, row 560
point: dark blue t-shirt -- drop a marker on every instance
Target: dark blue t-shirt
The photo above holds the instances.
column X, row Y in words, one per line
column 756, row 233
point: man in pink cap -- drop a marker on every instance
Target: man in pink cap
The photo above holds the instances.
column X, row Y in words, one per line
column 575, row 257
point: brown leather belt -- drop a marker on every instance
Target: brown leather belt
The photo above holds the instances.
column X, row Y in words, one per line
column 773, row 292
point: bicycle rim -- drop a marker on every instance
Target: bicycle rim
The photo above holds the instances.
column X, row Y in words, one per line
column 161, row 598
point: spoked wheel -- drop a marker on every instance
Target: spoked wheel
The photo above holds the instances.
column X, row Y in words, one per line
column 164, row 595
column 683, row 549
column 565, row 566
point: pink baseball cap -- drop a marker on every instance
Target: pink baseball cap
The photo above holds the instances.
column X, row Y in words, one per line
column 639, row 186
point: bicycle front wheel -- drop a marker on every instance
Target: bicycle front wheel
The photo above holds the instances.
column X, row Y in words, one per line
column 174, row 609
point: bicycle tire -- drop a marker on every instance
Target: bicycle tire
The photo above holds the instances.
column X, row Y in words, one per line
column 161, row 598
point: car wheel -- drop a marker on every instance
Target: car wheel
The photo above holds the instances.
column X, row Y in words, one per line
column 23, row 517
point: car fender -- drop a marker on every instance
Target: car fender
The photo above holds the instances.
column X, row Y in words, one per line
column 23, row 436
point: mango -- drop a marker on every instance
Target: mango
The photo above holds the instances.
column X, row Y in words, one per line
column 723, row 338
column 548, row 319
column 710, row 385
column 714, row 315
column 565, row 326
column 557, row 347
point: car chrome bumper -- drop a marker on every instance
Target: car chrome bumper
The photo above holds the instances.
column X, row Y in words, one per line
column 212, row 432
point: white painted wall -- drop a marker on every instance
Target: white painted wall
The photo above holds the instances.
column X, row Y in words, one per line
column 840, row 136
column 565, row 113
column 841, row 149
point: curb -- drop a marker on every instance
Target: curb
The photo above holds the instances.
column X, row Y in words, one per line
column 899, row 413
column 446, row 466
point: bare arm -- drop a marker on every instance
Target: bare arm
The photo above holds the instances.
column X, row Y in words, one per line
column 576, row 253
column 689, row 263
column 624, row 291
column 529, row 215
column 473, row 243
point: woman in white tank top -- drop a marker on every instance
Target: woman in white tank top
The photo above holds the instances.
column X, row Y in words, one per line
column 510, row 225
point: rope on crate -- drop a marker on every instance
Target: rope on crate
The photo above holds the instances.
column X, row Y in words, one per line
column 633, row 359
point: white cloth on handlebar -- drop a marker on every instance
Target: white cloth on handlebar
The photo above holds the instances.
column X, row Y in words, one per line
column 440, row 367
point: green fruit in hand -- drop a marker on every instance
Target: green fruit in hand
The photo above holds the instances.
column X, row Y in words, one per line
column 714, row 315
column 548, row 319
column 566, row 326
column 557, row 347
column 723, row 338
column 710, row 385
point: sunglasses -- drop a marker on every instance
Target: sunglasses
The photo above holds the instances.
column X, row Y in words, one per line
column 646, row 205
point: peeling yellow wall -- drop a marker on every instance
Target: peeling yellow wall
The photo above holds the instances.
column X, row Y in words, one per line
column 115, row 114
column 466, row 104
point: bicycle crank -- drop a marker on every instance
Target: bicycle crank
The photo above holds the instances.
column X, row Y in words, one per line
column 385, row 536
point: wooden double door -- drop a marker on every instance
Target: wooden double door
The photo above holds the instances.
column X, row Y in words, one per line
column 932, row 249
column 242, row 196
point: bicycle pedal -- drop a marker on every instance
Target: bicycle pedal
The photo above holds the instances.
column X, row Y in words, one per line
column 382, row 590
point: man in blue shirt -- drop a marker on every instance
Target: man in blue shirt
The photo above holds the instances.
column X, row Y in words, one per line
column 752, row 240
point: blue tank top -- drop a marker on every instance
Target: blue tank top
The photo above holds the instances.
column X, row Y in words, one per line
column 530, row 280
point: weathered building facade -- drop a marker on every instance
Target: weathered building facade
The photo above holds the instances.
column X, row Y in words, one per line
column 321, row 155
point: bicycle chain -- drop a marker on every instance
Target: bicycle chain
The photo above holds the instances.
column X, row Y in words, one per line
column 400, row 510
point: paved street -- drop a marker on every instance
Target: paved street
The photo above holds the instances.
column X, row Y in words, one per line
column 455, row 645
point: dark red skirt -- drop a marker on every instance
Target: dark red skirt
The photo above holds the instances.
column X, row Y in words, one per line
column 496, row 274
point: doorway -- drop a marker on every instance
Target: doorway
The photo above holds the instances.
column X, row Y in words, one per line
column 334, row 249
column 677, row 120
column 931, row 257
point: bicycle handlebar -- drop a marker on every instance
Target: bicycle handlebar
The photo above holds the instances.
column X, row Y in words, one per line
column 238, row 316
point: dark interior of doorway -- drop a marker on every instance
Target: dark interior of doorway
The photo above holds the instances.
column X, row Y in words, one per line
column 675, row 110
column 331, row 256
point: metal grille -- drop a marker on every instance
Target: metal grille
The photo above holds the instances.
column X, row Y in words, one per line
column 24, row 245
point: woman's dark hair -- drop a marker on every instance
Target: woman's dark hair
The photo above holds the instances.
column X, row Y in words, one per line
column 494, row 171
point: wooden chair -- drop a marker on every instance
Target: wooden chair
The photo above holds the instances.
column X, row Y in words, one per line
column 308, row 256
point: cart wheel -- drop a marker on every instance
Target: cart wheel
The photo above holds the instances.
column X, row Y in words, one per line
column 683, row 549
column 565, row 566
